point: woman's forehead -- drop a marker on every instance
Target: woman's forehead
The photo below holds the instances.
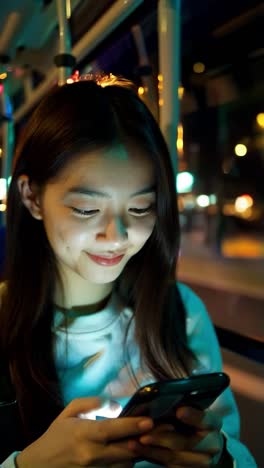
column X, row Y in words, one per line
column 114, row 167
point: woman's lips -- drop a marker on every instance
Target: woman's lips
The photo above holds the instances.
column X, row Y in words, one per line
column 106, row 261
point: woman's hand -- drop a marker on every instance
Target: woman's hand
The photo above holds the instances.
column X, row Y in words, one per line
column 166, row 446
column 73, row 442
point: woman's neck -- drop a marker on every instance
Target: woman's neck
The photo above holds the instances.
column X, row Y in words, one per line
column 86, row 309
column 77, row 292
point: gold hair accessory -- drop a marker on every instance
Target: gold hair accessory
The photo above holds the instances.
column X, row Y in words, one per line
column 101, row 79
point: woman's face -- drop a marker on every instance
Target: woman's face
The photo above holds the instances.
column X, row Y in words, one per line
column 102, row 204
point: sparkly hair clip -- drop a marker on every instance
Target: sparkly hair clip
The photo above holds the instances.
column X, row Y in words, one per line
column 101, row 79
column 74, row 77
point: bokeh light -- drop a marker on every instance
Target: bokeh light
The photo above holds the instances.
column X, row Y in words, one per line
column 240, row 150
column 243, row 202
column 260, row 119
column 199, row 67
column 203, row 201
column 3, row 189
column 184, row 182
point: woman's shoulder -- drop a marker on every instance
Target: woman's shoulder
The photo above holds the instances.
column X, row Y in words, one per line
column 195, row 309
column 190, row 299
column 200, row 331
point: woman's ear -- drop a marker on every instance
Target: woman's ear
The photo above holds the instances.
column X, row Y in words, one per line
column 29, row 196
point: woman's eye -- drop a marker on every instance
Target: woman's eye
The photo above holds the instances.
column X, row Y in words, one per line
column 141, row 211
column 86, row 213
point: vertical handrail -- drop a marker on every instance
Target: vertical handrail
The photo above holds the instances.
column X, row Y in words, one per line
column 64, row 60
column 169, row 28
column 8, row 137
column 144, row 70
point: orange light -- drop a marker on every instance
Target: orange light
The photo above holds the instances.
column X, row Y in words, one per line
column 180, row 92
column 179, row 143
column 243, row 203
column 199, row 67
column 260, row 119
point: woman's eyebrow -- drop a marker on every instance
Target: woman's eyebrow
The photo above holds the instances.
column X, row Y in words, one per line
column 95, row 193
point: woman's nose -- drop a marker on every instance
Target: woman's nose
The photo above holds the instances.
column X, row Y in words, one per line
column 115, row 230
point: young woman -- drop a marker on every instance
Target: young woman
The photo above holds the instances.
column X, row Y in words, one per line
column 90, row 306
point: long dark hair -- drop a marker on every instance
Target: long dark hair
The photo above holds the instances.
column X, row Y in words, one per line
column 72, row 118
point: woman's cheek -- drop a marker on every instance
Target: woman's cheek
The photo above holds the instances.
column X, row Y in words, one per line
column 144, row 229
column 74, row 237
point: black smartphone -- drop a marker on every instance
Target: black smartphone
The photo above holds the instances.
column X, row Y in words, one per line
column 161, row 399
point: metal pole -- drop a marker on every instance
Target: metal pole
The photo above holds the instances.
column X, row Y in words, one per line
column 145, row 72
column 169, row 27
column 8, row 135
column 113, row 17
column 64, row 60
column 27, row 83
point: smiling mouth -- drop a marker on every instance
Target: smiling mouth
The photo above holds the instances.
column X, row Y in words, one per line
column 106, row 260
